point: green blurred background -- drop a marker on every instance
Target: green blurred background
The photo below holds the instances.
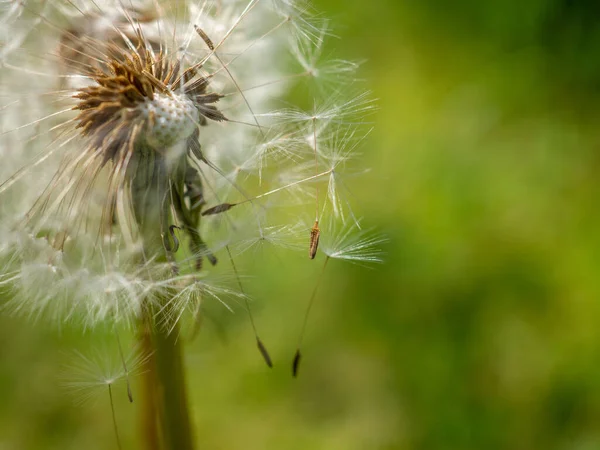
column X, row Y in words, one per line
column 481, row 331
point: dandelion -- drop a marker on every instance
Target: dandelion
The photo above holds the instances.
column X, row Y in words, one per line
column 144, row 143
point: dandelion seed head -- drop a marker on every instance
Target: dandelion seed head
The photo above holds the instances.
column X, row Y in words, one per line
column 123, row 123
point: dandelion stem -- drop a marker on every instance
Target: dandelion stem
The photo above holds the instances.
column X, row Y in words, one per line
column 149, row 408
column 150, row 189
column 174, row 414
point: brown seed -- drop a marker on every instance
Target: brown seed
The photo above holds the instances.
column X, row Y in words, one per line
column 315, row 233
column 263, row 352
column 204, row 37
column 129, row 393
column 218, row 209
column 296, row 363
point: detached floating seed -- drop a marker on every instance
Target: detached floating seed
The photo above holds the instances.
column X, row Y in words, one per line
column 315, row 233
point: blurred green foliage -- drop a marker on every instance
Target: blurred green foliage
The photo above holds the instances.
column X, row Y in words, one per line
column 481, row 331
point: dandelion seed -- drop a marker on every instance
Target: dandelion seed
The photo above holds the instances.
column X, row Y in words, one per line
column 308, row 51
column 218, row 209
column 204, row 37
column 337, row 110
column 301, row 16
column 264, row 352
column 125, row 369
column 89, row 376
column 297, row 356
column 350, row 244
column 315, row 233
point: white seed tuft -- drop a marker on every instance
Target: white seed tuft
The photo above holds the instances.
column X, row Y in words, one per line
column 76, row 197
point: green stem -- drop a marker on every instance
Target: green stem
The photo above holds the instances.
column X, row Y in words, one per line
column 175, row 417
column 165, row 382
column 148, row 404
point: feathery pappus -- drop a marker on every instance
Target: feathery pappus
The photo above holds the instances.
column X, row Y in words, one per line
column 142, row 142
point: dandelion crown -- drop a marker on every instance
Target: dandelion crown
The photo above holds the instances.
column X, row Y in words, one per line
column 144, row 142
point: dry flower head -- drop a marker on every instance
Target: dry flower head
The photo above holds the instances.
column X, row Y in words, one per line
column 147, row 139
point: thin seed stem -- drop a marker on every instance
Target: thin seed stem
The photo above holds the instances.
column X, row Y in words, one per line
column 129, row 392
column 259, row 343
column 114, row 417
column 269, row 83
column 304, row 180
column 223, row 207
column 237, row 86
column 311, row 302
column 316, row 170
column 315, row 232
column 297, row 356
column 36, row 121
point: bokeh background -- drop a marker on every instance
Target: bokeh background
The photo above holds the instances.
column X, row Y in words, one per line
column 481, row 330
